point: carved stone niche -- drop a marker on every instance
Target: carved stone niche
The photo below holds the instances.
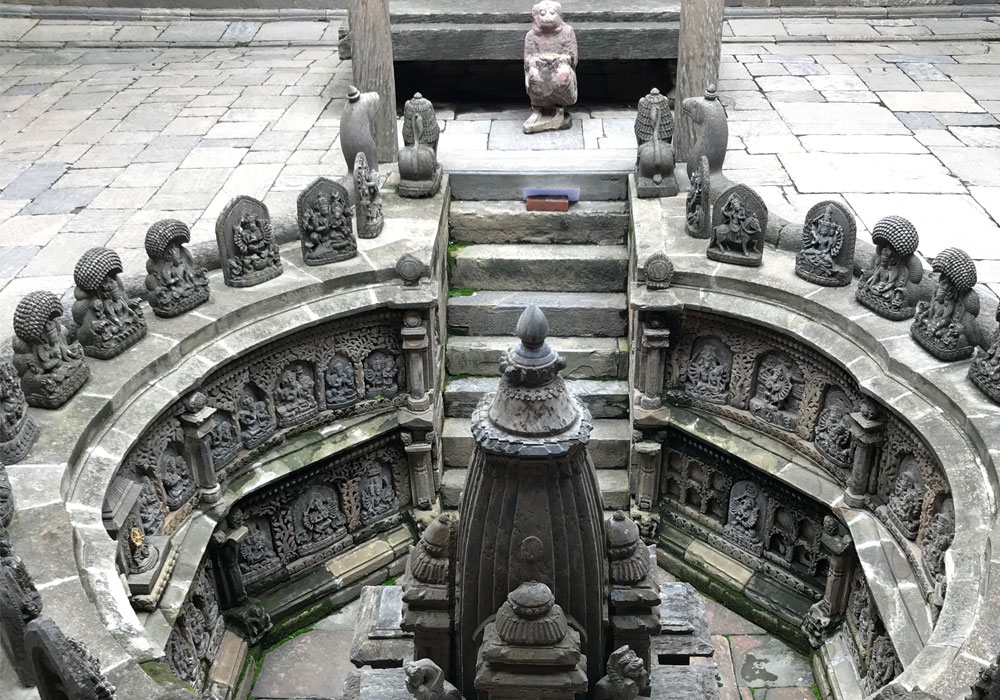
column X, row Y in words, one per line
column 64, row 669
column 739, row 219
column 377, row 493
column 341, row 382
column 829, row 234
column 946, row 325
column 745, row 519
column 256, row 556
column 109, row 321
column 176, row 285
column 247, row 249
column 889, row 285
column 699, row 202
column 176, row 477
column 832, row 435
column 17, row 429
column 325, row 227
column 708, row 371
column 777, row 391
column 906, row 500
column 937, row 539
column 317, row 519
column 368, row 198
column 295, row 394
column 51, row 368
column 150, row 507
column 256, row 424
column 382, row 374
column 143, row 557
column 985, row 368
column 223, row 440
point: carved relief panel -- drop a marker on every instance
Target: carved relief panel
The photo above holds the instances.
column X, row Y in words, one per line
column 777, row 392
column 198, row 631
column 871, row 647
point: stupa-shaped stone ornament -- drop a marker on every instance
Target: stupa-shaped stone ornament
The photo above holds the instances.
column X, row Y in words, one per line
column 530, row 454
column 357, row 127
column 828, row 238
column 698, row 205
column 550, row 58
column 51, row 368
column 419, row 171
column 739, row 219
column 712, row 133
column 247, row 249
column 635, row 595
column 17, row 429
column 367, row 198
column 325, row 226
column 428, row 592
column 654, row 165
column 946, row 325
column 109, row 321
column 889, row 285
column 176, row 285
column 985, row 369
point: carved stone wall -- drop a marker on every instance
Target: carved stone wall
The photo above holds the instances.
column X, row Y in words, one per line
column 871, row 648
column 198, row 630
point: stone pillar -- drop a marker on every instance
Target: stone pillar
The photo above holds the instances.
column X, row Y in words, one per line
column 419, row 457
column 415, row 346
column 371, row 52
column 867, row 428
column 698, row 54
column 653, row 356
column 646, row 458
column 245, row 615
column 825, row 614
column 197, row 422
column 429, row 593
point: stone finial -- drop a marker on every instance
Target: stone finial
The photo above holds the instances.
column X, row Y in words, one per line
column 176, row 285
column 50, row 367
column 367, row 198
column 626, row 676
column 325, row 228
column 829, row 234
column 628, row 556
column 65, row 670
column 110, row 322
column 530, row 617
column 247, row 250
column 425, row 681
column 430, row 557
column 946, row 325
column 889, row 285
column 17, row 428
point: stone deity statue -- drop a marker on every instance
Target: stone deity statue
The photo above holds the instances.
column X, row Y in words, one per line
column 550, row 58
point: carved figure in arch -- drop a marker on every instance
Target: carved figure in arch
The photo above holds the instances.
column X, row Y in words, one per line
column 777, row 390
column 368, row 199
column 317, row 516
column 381, row 375
column 946, row 325
column 150, row 509
column 833, row 428
column 247, row 249
column 985, row 368
column 17, row 428
column 181, row 657
column 223, row 440
column 256, row 551
column 940, row 533
column 176, row 285
column 325, row 228
column 697, row 206
column 907, row 499
column 51, row 368
column 175, row 475
column 341, row 382
column 378, row 496
column 828, row 240
column 744, row 522
column 109, row 320
column 889, row 285
column 254, row 417
column 739, row 219
column 295, row 394
column 626, row 676
column 550, row 57
column 708, row 371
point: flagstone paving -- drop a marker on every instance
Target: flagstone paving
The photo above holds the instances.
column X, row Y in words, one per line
column 99, row 141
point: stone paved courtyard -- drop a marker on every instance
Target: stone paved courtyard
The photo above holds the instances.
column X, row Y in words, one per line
column 97, row 142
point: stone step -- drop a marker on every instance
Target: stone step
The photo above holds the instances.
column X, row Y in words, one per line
column 604, row 398
column 601, row 223
column 613, row 484
column 554, row 268
column 586, row 358
column 609, row 442
column 595, row 314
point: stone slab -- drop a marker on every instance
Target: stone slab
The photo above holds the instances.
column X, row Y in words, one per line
column 718, row 565
column 496, row 312
column 378, row 640
column 762, row 661
column 586, row 358
column 507, row 135
column 683, row 625
column 687, row 682
column 508, row 222
column 604, row 399
column 842, row 172
column 559, row 268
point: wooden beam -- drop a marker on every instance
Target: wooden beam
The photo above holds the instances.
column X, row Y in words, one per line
column 371, row 50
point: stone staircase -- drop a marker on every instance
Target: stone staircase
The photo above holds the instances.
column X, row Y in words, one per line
column 574, row 267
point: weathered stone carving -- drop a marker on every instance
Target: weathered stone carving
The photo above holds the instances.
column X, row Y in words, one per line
column 255, row 418
column 626, row 676
column 357, row 127
column 745, row 522
column 425, row 681
column 247, row 249
column 828, row 239
column 777, row 390
column 317, row 518
column 940, row 532
column 368, row 199
column 709, row 117
column 429, row 592
column 419, row 171
column 987, row 685
column 17, row 429
column 250, row 620
column 907, row 499
column 410, row 269
column 550, row 57
column 51, row 368
column 19, row 605
column 140, row 555
column 64, row 669
column 150, row 509
column 883, row 664
column 833, row 428
column 6, row 498
column 654, row 164
column 888, row 286
column 223, row 440
column 256, row 550
column 175, row 475
column 181, row 657
column 628, row 557
column 109, row 321
column 377, row 493
column 176, row 285
column 659, row 271
column 341, row 382
column 739, row 218
column 382, row 372
column 867, row 429
column 946, row 326
column 708, row 371
column 699, row 201
column 985, row 368
column 295, row 394
column 826, row 614
column 325, row 228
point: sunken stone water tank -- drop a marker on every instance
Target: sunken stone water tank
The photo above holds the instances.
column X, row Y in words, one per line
column 532, row 507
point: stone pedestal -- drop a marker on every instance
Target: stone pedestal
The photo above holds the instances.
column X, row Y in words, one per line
column 698, row 54
column 868, row 430
column 415, row 346
column 197, row 422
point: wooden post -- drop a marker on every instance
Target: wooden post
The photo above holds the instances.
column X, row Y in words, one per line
column 698, row 55
column 371, row 50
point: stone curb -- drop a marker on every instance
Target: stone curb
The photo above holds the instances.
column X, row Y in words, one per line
column 58, row 12
column 847, row 39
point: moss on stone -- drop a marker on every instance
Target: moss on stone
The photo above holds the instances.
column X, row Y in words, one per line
column 161, row 673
